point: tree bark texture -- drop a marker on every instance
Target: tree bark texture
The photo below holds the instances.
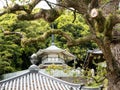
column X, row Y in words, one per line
column 114, row 76
column 101, row 20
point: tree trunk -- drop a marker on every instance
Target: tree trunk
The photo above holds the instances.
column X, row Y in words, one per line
column 113, row 81
column 114, row 75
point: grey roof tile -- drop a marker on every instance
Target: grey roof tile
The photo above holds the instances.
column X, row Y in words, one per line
column 33, row 79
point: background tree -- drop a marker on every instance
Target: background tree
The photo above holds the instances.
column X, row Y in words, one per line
column 12, row 54
column 32, row 29
column 101, row 17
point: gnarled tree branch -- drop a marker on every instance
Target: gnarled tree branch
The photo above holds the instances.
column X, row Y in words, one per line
column 43, row 37
column 70, row 40
column 81, row 40
column 27, row 8
column 47, row 15
column 16, row 33
column 79, row 5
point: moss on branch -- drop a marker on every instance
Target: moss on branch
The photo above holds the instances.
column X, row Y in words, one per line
column 99, row 19
column 45, row 35
column 70, row 40
column 109, row 24
column 81, row 40
column 27, row 7
column 47, row 15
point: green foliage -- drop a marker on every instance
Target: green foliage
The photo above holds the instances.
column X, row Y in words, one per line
column 105, row 1
column 77, row 29
column 65, row 69
column 11, row 18
column 18, row 57
column 5, row 66
column 96, row 78
column 11, row 51
column 52, row 67
column 9, row 54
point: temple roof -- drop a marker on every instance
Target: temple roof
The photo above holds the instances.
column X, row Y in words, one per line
column 54, row 49
column 33, row 79
column 95, row 56
column 96, row 51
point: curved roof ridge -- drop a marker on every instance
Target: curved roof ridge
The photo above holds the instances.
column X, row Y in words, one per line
column 54, row 49
column 61, row 81
column 15, row 77
column 32, row 80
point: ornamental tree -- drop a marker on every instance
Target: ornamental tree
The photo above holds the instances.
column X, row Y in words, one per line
column 102, row 17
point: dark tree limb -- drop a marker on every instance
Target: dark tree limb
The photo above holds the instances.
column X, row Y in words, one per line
column 108, row 27
column 49, row 4
column 81, row 40
column 7, row 3
column 74, row 13
column 93, row 4
column 99, row 19
column 116, row 19
column 90, row 23
column 47, row 15
column 79, row 5
column 110, row 7
column 27, row 8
